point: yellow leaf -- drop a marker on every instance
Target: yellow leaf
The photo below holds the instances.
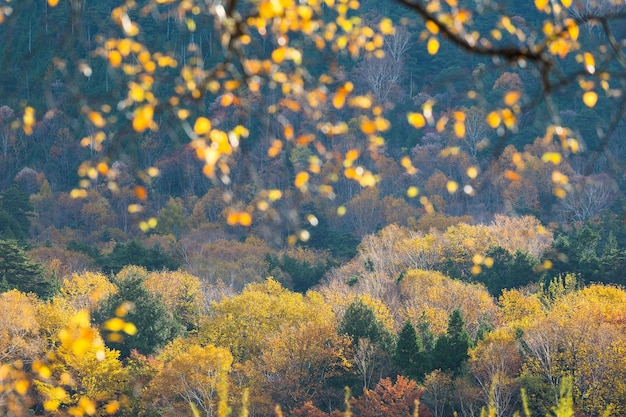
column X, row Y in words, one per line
column 130, row 329
column 141, row 193
column 459, row 129
column 202, row 126
column 573, row 29
column 412, row 192
column 432, row 27
column 590, row 98
column 301, row 179
column 566, row 3
column 386, row 27
column 590, row 63
column 511, row 175
column 541, row 4
column 553, row 157
column 368, row 127
column 352, row 154
column 115, row 324
column 96, row 118
column 441, row 123
column 112, row 407
column 278, row 56
column 53, row 3
column 494, row 119
column 512, row 97
column 416, row 120
column 432, row 46
column 339, row 100
column 452, row 186
column 21, row 386
column 472, row 172
column 142, row 118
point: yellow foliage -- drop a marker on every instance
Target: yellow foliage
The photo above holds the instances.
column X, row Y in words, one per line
column 180, row 293
column 242, row 323
column 87, row 290
column 18, row 326
column 436, row 295
column 191, row 374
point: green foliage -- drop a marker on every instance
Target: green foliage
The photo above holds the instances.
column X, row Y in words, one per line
column 410, row 358
column 508, row 270
column 134, row 252
column 16, row 211
column 451, row 349
column 17, row 271
column 302, row 274
column 173, row 218
column 360, row 322
column 155, row 325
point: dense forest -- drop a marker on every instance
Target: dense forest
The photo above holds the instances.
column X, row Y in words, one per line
column 407, row 247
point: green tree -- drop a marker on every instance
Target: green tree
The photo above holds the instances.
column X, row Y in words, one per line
column 173, row 218
column 410, row 358
column 508, row 270
column 16, row 211
column 17, row 271
column 155, row 325
column 451, row 349
column 134, row 252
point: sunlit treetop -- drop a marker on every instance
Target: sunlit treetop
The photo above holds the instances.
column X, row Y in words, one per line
column 263, row 75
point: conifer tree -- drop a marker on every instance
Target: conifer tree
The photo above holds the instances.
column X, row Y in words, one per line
column 409, row 358
column 17, row 271
column 450, row 352
column 156, row 326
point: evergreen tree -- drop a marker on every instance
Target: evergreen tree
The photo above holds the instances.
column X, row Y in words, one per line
column 409, row 358
column 360, row 322
column 155, row 325
column 508, row 271
column 613, row 262
column 17, row 271
column 135, row 253
column 450, row 352
column 15, row 213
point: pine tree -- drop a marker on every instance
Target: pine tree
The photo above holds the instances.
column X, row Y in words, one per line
column 409, row 358
column 156, row 326
column 15, row 213
column 17, row 271
column 450, row 352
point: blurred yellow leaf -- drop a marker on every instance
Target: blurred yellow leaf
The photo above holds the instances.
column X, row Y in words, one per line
column 386, row 27
column 352, row 154
column 202, row 126
column 368, row 126
column 141, row 193
column 494, row 119
column 590, row 63
column 512, row 175
column 452, row 186
column 590, row 98
column 553, row 157
column 301, row 179
column 53, row 3
column 541, row 4
column 416, row 120
column 142, row 118
column 432, row 46
column 114, row 324
column 472, row 172
column 412, row 192
column 512, row 97
column 96, row 118
column 459, row 129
